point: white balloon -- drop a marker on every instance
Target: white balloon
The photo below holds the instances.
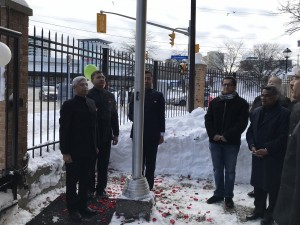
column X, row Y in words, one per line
column 5, row 54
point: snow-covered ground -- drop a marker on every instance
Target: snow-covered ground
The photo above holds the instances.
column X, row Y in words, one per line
column 182, row 185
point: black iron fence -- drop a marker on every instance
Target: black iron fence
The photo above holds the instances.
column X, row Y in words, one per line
column 55, row 60
column 248, row 85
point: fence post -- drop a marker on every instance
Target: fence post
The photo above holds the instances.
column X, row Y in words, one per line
column 105, row 61
column 155, row 74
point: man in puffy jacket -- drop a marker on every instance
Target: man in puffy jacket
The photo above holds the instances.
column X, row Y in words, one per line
column 225, row 121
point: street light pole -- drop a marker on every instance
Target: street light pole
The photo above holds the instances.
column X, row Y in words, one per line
column 192, row 32
column 287, row 53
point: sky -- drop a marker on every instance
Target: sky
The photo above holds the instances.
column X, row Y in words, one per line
column 250, row 22
column 183, row 178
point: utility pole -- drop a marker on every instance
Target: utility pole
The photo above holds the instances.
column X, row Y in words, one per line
column 192, row 32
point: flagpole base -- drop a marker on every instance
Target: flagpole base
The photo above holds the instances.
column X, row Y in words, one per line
column 136, row 200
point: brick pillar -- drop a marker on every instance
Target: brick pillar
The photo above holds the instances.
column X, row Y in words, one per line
column 15, row 16
column 200, row 71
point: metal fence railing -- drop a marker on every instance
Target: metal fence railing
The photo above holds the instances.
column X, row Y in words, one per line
column 248, row 86
column 55, row 60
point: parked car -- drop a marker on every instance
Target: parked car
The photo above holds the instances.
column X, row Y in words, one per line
column 48, row 93
column 180, row 100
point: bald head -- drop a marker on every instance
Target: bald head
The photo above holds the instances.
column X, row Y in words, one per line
column 275, row 81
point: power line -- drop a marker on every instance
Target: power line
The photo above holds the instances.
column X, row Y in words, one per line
column 237, row 12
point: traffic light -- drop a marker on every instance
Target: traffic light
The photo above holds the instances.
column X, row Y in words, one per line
column 101, row 23
column 197, row 48
column 172, row 37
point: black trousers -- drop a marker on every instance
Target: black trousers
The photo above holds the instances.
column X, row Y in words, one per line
column 77, row 172
column 260, row 200
column 149, row 161
column 102, row 169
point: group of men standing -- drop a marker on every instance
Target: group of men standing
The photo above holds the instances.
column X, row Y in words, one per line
column 273, row 139
column 89, row 125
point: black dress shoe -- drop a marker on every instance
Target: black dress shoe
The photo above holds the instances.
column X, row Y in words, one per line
column 229, row 203
column 251, row 194
column 214, row 199
column 254, row 216
column 267, row 221
column 87, row 212
column 102, row 194
column 75, row 216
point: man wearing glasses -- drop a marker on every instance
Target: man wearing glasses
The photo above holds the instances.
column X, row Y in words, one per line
column 225, row 121
column 288, row 203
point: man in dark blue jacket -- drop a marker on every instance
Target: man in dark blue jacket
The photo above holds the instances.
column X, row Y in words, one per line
column 225, row 121
column 77, row 134
column 108, row 127
column 267, row 138
column 154, row 126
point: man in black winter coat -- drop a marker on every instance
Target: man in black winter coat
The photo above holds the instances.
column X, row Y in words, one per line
column 154, row 126
column 108, row 130
column 283, row 100
column 288, row 203
column 77, row 134
column 267, row 138
column 225, row 121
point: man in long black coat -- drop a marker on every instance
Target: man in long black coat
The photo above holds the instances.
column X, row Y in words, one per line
column 288, row 204
column 154, row 126
column 267, row 138
column 283, row 100
column 107, row 119
column 77, row 134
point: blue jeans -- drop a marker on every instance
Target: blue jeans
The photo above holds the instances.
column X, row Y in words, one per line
column 224, row 157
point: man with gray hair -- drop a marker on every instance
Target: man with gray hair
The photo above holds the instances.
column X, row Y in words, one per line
column 77, row 134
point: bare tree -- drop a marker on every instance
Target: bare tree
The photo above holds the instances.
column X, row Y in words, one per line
column 265, row 59
column 232, row 55
column 292, row 8
column 151, row 49
column 228, row 59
